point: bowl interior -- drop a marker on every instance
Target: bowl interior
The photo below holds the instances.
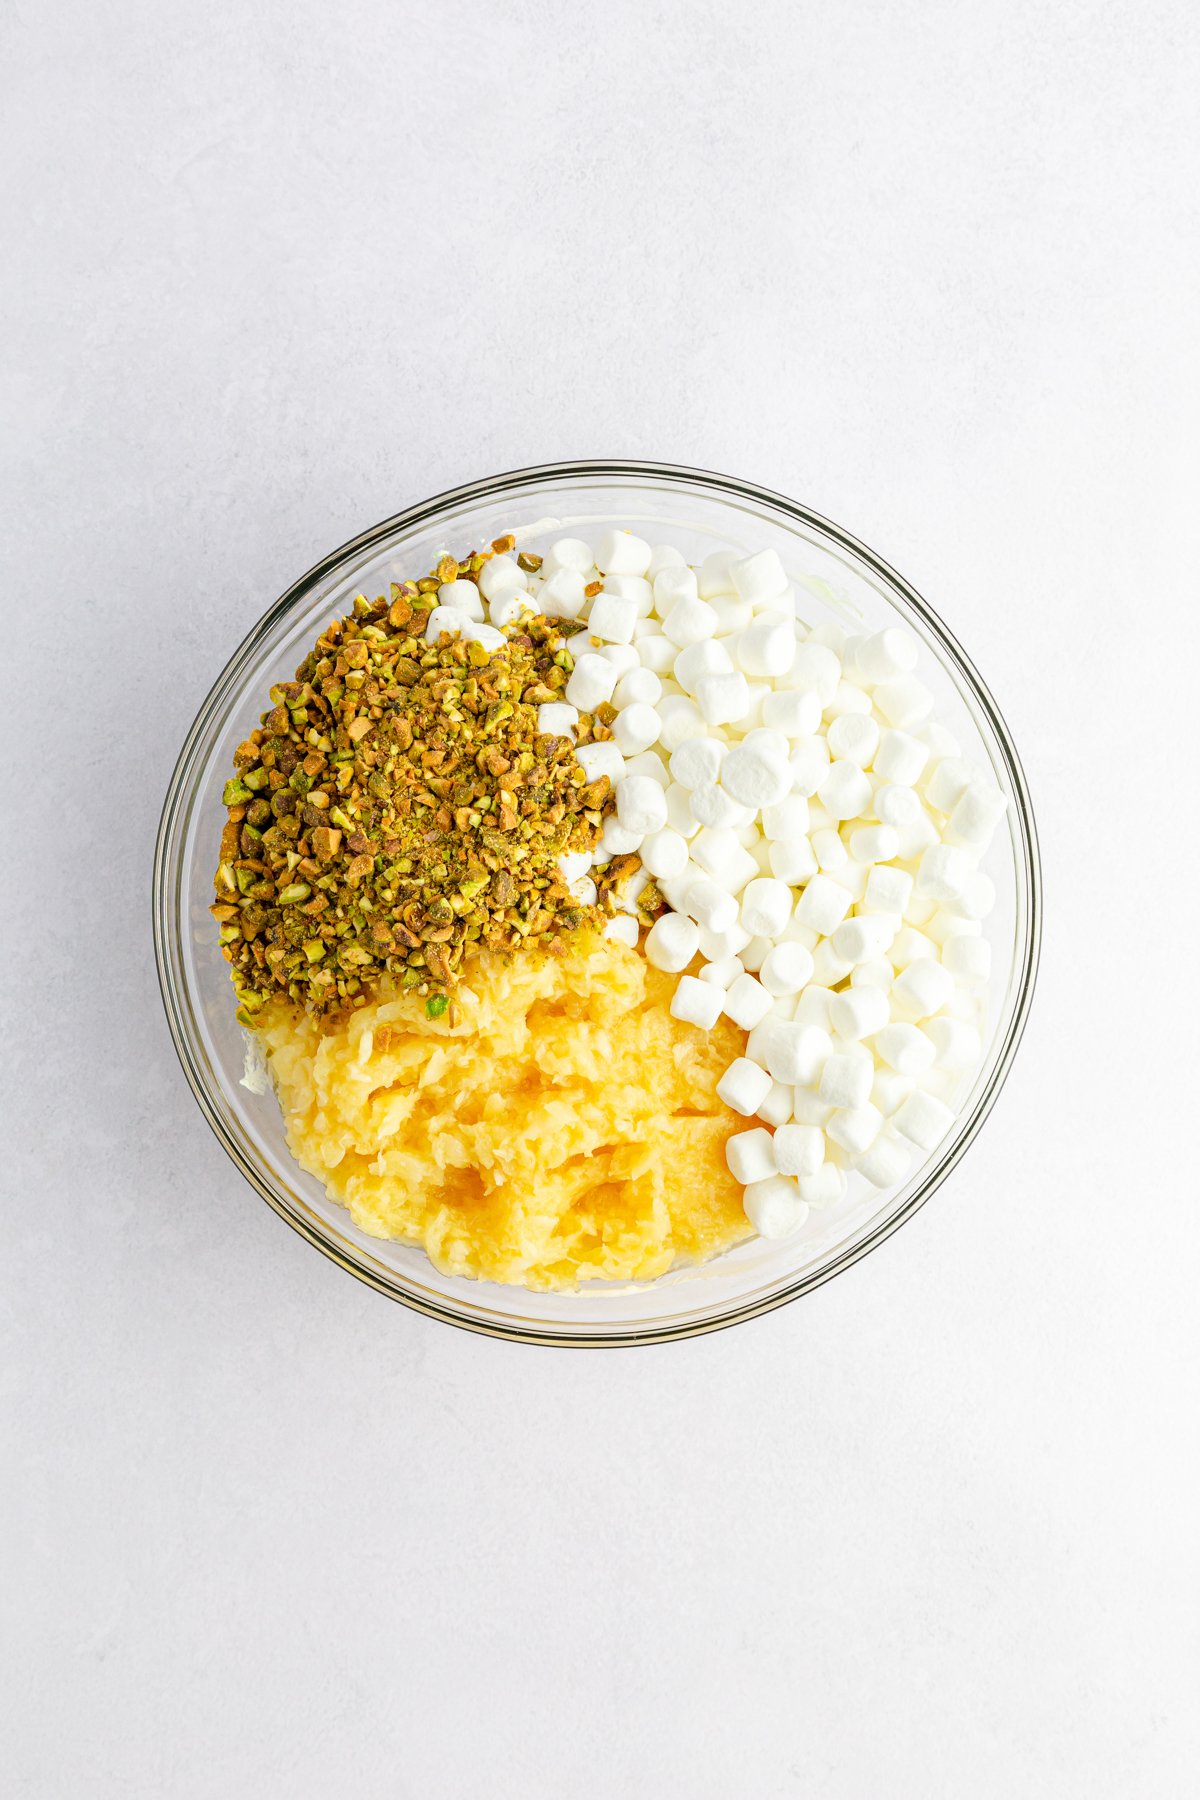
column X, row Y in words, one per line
column 836, row 579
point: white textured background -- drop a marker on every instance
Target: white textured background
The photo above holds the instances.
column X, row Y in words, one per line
column 274, row 271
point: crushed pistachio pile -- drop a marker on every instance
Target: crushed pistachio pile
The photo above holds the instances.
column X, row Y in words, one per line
column 398, row 804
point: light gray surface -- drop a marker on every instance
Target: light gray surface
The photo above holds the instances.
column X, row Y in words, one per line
column 275, row 271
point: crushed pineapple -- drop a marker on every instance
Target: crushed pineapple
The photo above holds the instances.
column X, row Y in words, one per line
column 564, row 1129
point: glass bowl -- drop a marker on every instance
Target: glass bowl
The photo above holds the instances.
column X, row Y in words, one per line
column 837, row 578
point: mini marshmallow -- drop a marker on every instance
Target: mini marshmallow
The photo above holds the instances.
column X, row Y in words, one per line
column 574, row 863
column 876, row 971
column 799, row 1149
column 766, row 907
column 709, row 905
column 568, row 553
column 584, row 891
column 612, row 619
column 958, row 1045
column 767, row 646
column 759, row 577
column 640, row 687
column 671, row 943
column 944, row 872
column 900, row 758
column 948, row 782
column 714, row 576
column 563, row 596
column 636, row 727
column 501, row 575
column 916, row 837
column 905, row 1048
column 809, row 761
column 631, row 587
column 672, row 584
column 828, row 967
column 978, row 897
column 776, row 1109
column 866, row 936
column 942, row 743
column 616, row 840
column 664, row 556
column 794, row 1053
column 909, row 946
column 888, row 890
column 746, row 1002
column 723, row 699
column 850, row 699
column 797, row 714
column 786, row 969
column 744, row 1086
column 689, row 621
column 845, row 791
column 697, row 1003
column 601, row 759
column 464, row 596
column 664, row 853
column 733, row 615
column 623, row 930
column 813, row 1006
column 718, row 946
column 859, row 1012
column 846, row 1077
column 753, row 776
column 823, row 905
column 890, row 1090
column 885, row 655
column 921, row 989
column 897, row 806
column 825, row 1188
column 807, row 1109
column 970, row 958
column 706, row 657
column 852, row 738
column 904, row 701
column 511, row 610
column 794, row 863
column 718, row 811
column 557, row 719
column 722, row 973
column 620, row 553
column 976, row 816
column 886, row 1162
column 855, row 1128
column 923, row 1120
column 681, row 719
column 656, row 652
column 750, row 1155
column 489, row 636
column 444, row 619
column 591, row 683
column 696, row 762
column 829, row 850
column 641, row 804
column 874, row 844
column 774, row 1207
column 815, row 666
column 679, row 811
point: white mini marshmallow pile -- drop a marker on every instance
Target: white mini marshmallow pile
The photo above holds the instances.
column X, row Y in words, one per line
column 814, row 830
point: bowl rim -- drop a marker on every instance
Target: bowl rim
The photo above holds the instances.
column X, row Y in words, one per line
column 514, row 480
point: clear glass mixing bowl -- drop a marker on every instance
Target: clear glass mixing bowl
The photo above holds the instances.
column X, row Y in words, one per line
column 837, row 578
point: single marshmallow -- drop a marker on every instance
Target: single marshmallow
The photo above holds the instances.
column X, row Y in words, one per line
column 808, row 1109
column 616, row 840
column 845, row 791
column 897, row 806
column 718, row 811
column 620, row 553
column 776, row 1109
column 674, row 583
column 746, row 1002
column 671, row 943
column 568, row 553
column 664, row 853
column 886, row 1162
column 706, row 657
column 696, row 762
column 850, row 699
column 978, row 898
column 799, row 1149
column 641, row 804
column 612, row 619
column 584, row 891
column 809, row 761
column 829, row 849
column 948, row 782
column 900, row 758
column 904, row 701
column 664, row 556
column 759, row 577
column 636, row 727
column 846, row 1077
column 944, row 872
column 774, row 1207
column 640, row 687
column 888, row 890
column 855, row 1128
column 750, row 1155
column 876, row 971
column 679, row 811
column 823, row 905
column 689, row 621
column 709, row 905
column 890, row 1090
column 828, row 967
column 489, row 636
column 874, row 844
column 767, row 646
column 624, row 930
column 733, row 615
column 825, row 1188
column 557, row 719
column 501, row 575
column 970, row 958
column 721, row 973
column 723, row 699
column 681, row 719
column 863, row 937
column 852, row 738
column 766, row 907
column 795, row 1053
column 656, row 652
column 444, row 619
column 859, row 1012
column 817, row 667
column 563, row 596
column 923, row 1120
column 786, row 969
column 717, row 946
column 794, row 863
column 696, row 1003
column 464, row 596
column 512, row 609
column 754, row 776
column 744, row 1086
column 601, row 759
column 957, row 1044
column 905, row 1048
column 976, row 816
column 714, row 577
column 909, row 946
column 797, row 714
column 631, row 587
column 592, row 682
